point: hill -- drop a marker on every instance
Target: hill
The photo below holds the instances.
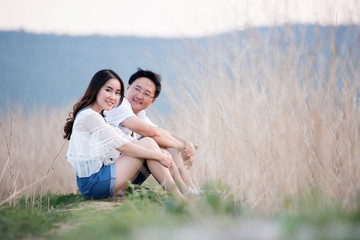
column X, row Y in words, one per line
column 55, row 70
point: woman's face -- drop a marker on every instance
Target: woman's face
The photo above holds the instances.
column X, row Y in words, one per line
column 108, row 95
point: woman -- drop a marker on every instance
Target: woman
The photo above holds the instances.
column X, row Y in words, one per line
column 95, row 145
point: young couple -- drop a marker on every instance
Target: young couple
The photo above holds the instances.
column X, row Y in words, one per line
column 112, row 141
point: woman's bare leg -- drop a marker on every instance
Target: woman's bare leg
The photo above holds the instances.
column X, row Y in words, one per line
column 161, row 174
column 177, row 177
column 127, row 168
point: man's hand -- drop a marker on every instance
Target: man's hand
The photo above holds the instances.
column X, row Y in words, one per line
column 189, row 162
column 189, row 151
column 188, row 154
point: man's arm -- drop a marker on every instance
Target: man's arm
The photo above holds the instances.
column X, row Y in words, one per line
column 193, row 145
column 190, row 147
column 162, row 137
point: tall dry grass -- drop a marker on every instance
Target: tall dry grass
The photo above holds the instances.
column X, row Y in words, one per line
column 276, row 115
column 32, row 153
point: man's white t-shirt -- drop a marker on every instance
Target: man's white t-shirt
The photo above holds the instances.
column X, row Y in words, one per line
column 119, row 114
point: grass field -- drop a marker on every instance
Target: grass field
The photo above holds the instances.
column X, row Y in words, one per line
column 149, row 213
column 278, row 127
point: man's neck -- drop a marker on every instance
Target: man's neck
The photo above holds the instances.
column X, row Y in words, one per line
column 136, row 113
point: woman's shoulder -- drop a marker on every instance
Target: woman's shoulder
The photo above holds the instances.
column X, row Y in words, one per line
column 89, row 120
column 92, row 118
column 85, row 112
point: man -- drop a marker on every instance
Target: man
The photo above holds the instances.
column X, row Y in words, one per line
column 142, row 90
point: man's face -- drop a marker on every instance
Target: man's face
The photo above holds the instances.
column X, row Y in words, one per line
column 140, row 94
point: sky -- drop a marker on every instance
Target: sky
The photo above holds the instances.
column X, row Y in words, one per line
column 168, row 18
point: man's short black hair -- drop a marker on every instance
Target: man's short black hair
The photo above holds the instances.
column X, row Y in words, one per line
column 154, row 77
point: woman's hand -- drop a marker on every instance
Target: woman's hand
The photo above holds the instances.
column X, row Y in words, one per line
column 165, row 159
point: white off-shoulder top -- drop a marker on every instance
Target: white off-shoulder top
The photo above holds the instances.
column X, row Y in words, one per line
column 93, row 143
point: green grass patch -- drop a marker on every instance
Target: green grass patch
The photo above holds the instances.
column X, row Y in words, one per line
column 35, row 216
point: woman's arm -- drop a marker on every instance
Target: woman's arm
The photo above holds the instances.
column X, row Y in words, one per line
column 94, row 123
column 133, row 150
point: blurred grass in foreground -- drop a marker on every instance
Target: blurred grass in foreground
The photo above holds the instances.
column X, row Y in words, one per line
column 149, row 213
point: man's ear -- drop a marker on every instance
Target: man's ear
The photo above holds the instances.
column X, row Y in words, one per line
column 127, row 87
column 153, row 100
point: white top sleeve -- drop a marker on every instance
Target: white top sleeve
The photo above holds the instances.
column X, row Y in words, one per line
column 93, row 143
column 118, row 114
column 143, row 117
column 104, row 138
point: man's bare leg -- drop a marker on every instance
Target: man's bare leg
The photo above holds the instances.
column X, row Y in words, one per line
column 181, row 168
column 163, row 176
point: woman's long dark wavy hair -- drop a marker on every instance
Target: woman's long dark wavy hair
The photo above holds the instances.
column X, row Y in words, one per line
column 98, row 80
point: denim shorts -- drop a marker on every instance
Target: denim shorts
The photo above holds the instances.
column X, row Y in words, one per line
column 98, row 185
column 102, row 184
